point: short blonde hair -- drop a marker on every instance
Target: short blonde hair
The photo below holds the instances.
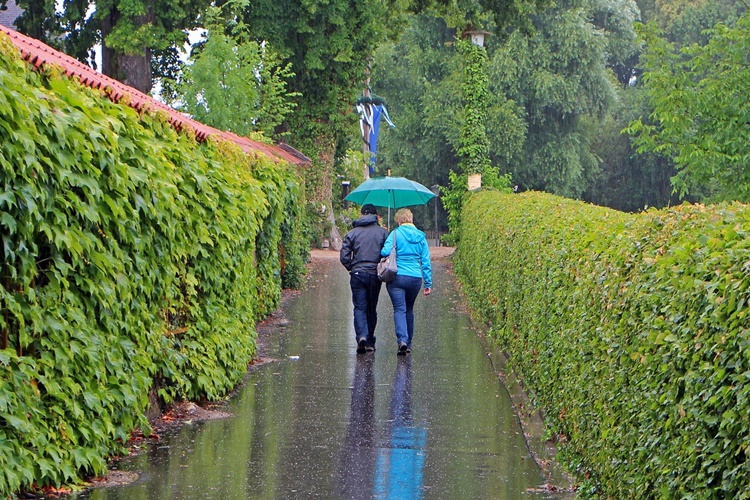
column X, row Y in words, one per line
column 404, row 216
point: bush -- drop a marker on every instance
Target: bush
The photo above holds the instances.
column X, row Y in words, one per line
column 631, row 332
column 130, row 253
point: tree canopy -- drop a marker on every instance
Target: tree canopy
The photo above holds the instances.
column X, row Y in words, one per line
column 554, row 105
column 233, row 82
column 546, row 88
column 133, row 33
column 700, row 111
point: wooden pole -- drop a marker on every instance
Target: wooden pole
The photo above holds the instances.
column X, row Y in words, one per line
column 366, row 128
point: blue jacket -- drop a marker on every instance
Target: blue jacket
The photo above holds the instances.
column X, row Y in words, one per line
column 412, row 253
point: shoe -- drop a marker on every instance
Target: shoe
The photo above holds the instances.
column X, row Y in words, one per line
column 402, row 349
column 370, row 348
column 408, row 349
column 361, row 346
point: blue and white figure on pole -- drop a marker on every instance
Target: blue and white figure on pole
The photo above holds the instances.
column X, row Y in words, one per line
column 371, row 110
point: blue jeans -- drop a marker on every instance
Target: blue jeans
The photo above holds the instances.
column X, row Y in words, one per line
column 365, row 292
column 403, row 291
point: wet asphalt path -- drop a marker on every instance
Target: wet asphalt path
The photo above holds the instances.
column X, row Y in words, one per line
column 323, row 422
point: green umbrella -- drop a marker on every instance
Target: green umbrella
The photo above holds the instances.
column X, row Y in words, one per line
column 391, row 192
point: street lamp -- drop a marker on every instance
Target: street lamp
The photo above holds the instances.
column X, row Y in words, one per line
column 435, row 188
column 477, row 36
column 474, row 142
column 345, row 192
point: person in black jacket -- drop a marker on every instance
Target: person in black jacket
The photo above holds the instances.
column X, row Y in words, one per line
column 360, row 254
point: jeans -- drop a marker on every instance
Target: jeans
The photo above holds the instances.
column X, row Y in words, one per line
column 365, row 292
column 403, row 291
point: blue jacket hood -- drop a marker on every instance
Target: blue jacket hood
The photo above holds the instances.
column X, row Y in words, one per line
column 410, row 233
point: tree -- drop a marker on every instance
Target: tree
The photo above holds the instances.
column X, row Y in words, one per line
column 701, row 115
column 39, row 20
column 330, row 45
column 683, row 21
column 559, row 75
column 422, row 75
column 133, row 33
column 627, row 180
column 234, row 83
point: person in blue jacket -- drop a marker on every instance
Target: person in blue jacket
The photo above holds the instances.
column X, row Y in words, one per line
column 414, row 269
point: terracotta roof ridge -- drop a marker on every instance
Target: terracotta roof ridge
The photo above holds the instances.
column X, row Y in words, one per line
column 38, row 54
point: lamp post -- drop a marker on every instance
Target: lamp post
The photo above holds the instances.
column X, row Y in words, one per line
column 345, row 192
column 477, row 36
column 435, row 188
column 474, row 150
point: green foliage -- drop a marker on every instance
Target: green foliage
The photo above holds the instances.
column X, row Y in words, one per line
column 421, row 76
column 700, row 111
column 131, row 254
column 474, row 144
column 234, row 83
column 629, row 330
column 464, row 14
column 559, row 78
column 145, row 29
column 328, row 45
column 615, row 21
column 548, row 93
column 627, row 181
column 683, row 21
column 455, row 195
column 692, row 23
column 474, row 149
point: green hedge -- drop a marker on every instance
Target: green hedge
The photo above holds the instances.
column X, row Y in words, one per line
column 631, row 332
column 130, row 254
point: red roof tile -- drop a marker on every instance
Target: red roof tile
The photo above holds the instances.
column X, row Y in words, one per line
column 38, row 54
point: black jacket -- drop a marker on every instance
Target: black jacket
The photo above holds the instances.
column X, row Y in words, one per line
column 360, row 250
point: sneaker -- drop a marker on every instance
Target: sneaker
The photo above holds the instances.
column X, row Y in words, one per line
column 361, row 346
column 408, row 349
column 370, row 348
column 402, row 349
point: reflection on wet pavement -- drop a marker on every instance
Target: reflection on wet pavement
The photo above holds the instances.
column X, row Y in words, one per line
column 357, row 467
column 398, row 471
column 436, row 424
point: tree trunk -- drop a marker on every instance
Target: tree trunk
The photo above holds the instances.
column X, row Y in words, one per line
column 319, row 184
column 136, row 70
column 131, row 69
column 334, row 235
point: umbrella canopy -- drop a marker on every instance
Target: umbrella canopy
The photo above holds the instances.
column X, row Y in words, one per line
column 391, row 192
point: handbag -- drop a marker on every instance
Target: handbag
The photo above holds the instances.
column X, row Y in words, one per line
column 387, row 267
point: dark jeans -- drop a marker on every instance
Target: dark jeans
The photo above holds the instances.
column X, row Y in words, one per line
column 403, row 291
column 365, row 292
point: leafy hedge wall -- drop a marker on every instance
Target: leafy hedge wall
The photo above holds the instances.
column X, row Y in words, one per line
column 130, row 254
column 631, row 331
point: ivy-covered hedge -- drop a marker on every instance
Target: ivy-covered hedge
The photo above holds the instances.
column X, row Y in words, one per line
column 631, row 332
column 130, row 254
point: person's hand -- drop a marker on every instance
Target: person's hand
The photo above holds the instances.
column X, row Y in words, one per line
column 427, row 291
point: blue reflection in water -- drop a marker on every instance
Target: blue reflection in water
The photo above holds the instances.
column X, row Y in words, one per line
column 398, row 469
